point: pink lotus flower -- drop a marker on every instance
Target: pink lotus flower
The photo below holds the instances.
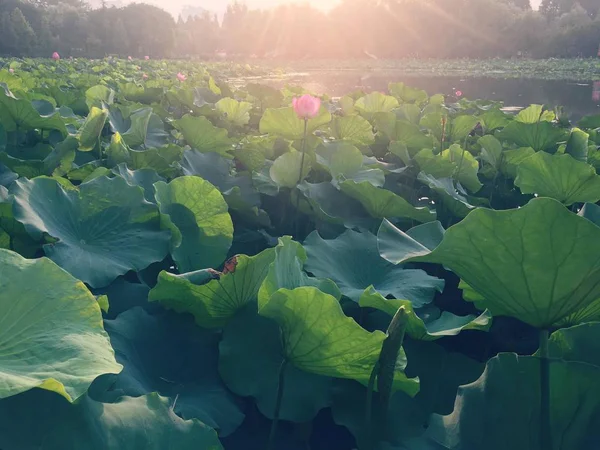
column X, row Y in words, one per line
column 129, row 58
column 181, row 77
column 144, row 76
column 55, row 56
column 596, row 96
column 307, row 106
column 458, row 93
column 146, row 57
column 11, row 70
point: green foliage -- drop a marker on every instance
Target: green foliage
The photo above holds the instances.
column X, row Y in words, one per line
column 240, row 277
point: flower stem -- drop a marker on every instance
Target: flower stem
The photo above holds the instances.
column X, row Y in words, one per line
column 545, row 422
column 280, row 387
column 296, row 225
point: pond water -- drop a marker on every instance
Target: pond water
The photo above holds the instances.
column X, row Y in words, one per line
column 576, row 97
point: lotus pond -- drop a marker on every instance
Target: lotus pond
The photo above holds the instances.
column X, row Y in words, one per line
column 189, row 265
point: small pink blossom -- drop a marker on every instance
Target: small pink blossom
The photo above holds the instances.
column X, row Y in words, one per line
column 55, row 56
column 144, row 76
column 307, row 106
column 129, row 58
column 11, row 70
column 146, row 57
column 458, row 93
column 181, row 77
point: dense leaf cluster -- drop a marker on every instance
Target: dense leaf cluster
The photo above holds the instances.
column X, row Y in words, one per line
column 175, row 273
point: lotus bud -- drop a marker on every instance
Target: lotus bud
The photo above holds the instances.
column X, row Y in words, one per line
column 181, row 77
column 55, row 56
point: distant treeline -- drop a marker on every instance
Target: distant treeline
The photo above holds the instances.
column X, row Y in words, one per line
column 355, row 28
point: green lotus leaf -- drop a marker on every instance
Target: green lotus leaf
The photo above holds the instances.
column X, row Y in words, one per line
column 512, row 158
column 170, row 355
column 352, row 129
column 577, row 145
column 381, row 203
column 197, row 215
column 202, row 135
column 409, row 112
column 453, row 196
column 250, row 357
column 462, row 127
column 591, row 212
column 591, row 121
column 285, row 171
column 285, row 122
column 287, row 272
column 435, row 165
column 352, row 261
column 19, row 113
column 375, row 102
column 91, row 129
column 96, row 95
column 213, row 304
column 432, row 325
column 39, row 420
column 491, row 152
column 403, row 131
column 267, row 96
column 340, row 158
column 163, row 160
column 395, row 245
column 144, row 178
column 53, row 336
column 558, row 176
column 408, row 417
column 539, row 136
column 103, row 229
column 467, row 167
column 534, row 114
column 237, row 113
column 406, row 93
column 28, row 168
column 141, row 94
column 318, row 338
column 147, row 130
column 536, row 263
column 508, row 393
column 494, row 119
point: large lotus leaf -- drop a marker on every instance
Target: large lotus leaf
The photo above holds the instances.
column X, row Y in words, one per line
column 467, row 166
column 507, row 397
column 353, row 129
column 408, row 112
column 491, row 152
column 104, row 228
column 19, row 113
column 213, row 304
column 402, row 131
column 170, row 355
column 408, row 94
column 218, row 170
column 341, row 159
column 12, row 233
column 197, row 215
column 99, row 94
column 512, row 158
column 285, row 171
column 577, row 145
column 435, row 165
column 453, row 196
column 141, row 94
column 267, row 96
column 250, row 357
column 334, row 206
column 353, row 262
column 558, row 176
column 238, row 113
column 123, row 295
column 319, row 338
column 145, row 178
column 161, row 159
column 147, row 130
column 539, row 136
column 287, row 272
column 537, row 263
column 381, row 203
column 591, row 121
column 52, row 334
column 202, row 135
column 42, row 421
column 494, row 119
column 462, row 127
column 408, row 418
column 426, row 324
column 375, row 102
column 534, row 114
column 285, row 122
column 91, row 129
